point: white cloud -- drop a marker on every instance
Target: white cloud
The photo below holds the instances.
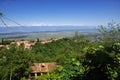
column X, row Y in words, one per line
column 52, row 24
column 47, row 24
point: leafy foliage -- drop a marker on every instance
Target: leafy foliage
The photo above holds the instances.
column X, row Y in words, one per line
column 15, row 63
column 77, row 58
column 109, row 33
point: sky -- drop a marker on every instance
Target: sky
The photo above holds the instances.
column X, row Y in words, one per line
column 60, row 12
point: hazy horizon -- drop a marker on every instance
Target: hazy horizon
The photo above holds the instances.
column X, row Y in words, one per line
column 44, row 29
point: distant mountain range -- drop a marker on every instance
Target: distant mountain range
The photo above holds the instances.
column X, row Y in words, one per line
column 44, row 29
column 44, row 32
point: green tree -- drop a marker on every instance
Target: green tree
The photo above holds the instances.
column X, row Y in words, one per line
column 110, row 33
column 101, row 64
column 15, row 63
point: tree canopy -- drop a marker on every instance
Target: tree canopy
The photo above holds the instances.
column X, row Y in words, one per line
column 77, row 58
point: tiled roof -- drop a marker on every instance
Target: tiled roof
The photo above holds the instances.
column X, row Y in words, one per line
column 42, row 67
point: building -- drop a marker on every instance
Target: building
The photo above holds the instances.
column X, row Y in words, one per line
column 18, row 43
column 27, row 44
column 2, row 46
column 41, row 68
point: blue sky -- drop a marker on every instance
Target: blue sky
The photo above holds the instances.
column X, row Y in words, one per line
column 61, row 12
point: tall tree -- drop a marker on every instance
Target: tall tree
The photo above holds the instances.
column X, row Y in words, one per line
column 15, row 63
column 109, row 33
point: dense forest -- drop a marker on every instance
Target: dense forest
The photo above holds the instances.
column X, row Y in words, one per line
column 79, row 58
